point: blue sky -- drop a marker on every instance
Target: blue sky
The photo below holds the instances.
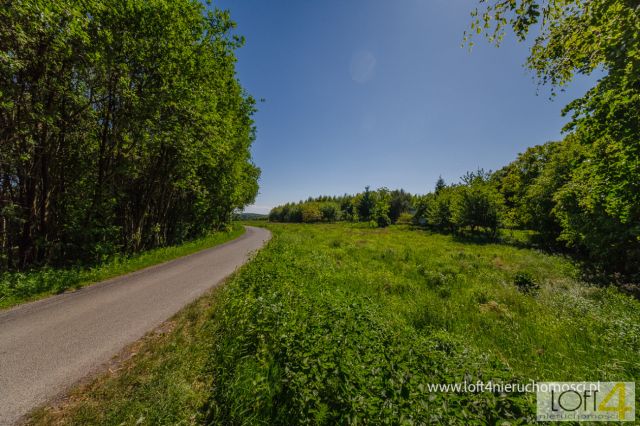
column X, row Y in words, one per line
column 381, row 93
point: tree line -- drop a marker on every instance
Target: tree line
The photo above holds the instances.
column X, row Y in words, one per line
column 581, row 193
column 535, row 192
column 474, row 204
column 381, row 207
column 122, row 127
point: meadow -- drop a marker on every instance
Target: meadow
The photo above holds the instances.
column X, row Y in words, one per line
column 342, row 323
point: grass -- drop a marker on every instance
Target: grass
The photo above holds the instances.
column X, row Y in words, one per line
column 347, row 324
column 20, row 287
column 158, row 380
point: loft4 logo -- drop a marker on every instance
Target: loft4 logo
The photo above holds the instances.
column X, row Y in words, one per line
column 619, row 394
column 586, row 401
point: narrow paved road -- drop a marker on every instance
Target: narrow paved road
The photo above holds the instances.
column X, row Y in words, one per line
column 47, row 346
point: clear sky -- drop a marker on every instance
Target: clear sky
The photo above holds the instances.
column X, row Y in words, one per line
column 381, row 93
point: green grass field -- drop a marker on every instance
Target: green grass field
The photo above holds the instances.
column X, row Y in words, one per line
column 347, row 324
column 20, row 287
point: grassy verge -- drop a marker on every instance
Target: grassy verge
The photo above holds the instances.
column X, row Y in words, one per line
column 340, row 324
column 160, row 380
column 20, row 287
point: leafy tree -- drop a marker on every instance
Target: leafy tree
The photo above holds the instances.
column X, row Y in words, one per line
column 293, row 214
column 525, row 208
column 348, row 208
column 476, row 206
column 599, row 207
column 365, row 205
column 310, row 212
column 123, row 127
column 275, row 215
column 400, row 202
column 422, row 205
column 531, row 182
column 380, row 212
column 329, row 212
column 439, row 214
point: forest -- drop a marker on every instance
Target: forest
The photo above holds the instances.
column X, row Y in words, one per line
column 123, row 127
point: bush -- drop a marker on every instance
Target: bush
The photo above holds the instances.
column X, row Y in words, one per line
column 439, row 211
column 476, row 206
column 422, row 205
column 329, row 212
column 405, row 219
column 310, row 213
column 525, row 283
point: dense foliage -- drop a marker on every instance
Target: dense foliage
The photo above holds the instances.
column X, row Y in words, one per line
column 347, row 324
column 122, row 127
column 381, row 208
column 595, row 198
column 473, row 204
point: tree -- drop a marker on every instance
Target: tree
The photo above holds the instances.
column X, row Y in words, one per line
column 440, row 185
column 365, row 205
column 476, row 206
column 422, row 205
column 599, row 207
column 381, row 206
column 399, row 202
column 348, row 209
column 329, row 211
column 524, row 208
column 310, row 212
column 275, row 215
column 439, row 210
column 123, row 127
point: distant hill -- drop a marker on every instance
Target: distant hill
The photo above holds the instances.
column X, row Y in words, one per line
column 251, row 216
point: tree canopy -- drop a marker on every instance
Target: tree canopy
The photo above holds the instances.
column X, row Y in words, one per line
column 598, row 203
column 122, row 127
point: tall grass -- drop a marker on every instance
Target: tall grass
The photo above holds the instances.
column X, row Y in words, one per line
column 343, row 324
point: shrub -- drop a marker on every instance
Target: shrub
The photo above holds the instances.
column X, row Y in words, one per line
column 310, row 212
column 476, row 206
column 329, row 212
column 525, row 283
column 405, row 219
column 439, row 211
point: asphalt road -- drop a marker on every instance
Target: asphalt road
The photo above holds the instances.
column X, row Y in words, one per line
column 48, row 345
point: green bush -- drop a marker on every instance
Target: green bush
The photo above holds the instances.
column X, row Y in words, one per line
column 329, row 212
column 439, row 211
column 525, row 283
column 310, row 213
column 476, row 205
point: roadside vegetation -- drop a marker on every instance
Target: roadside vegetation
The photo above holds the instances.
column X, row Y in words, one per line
column 345, row 323
column 20, row 287
column 159, row 380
